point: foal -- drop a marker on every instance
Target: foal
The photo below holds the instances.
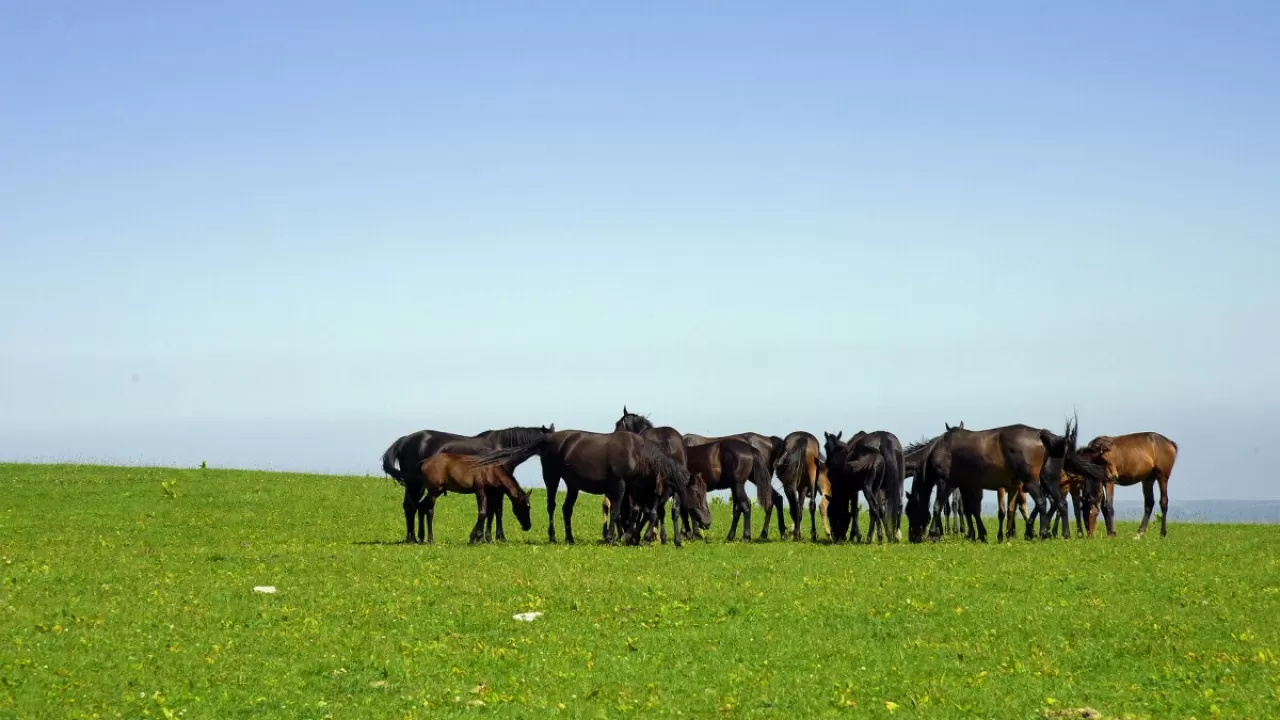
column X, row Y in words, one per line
column 446, row 472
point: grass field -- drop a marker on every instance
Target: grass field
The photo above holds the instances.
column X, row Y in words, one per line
column 129, row 593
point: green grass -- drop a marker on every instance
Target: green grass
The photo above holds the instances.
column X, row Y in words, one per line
column 127, row 594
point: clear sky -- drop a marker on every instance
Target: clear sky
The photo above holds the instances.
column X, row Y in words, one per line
column 281, row 235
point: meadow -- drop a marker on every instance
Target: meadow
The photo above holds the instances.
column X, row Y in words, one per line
column 129, row 592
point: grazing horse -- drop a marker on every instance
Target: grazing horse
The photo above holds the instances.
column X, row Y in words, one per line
column 771, row 448
column 798, row 471
column 728, row 464
column 875, row 464
column 667, row 437
column 451, row 472
column 1003, row 457
column 948, row 498
column 410, row 451
column 647, row 495
column 596, row 463
column 1145, row 457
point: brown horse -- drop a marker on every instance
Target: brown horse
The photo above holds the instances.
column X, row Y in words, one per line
column 798, row 471
column 1003, row 457
column 771, row 448
column 824, row 488
column 410, row 451
column 728, row 464
column 596, row 463
column 1145, row 457
column 452, row 472
column 948, row 500
column 668, row 438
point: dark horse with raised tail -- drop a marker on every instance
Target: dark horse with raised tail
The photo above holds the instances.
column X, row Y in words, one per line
column 1003, row 457
column 410, row 451
column 600, row 464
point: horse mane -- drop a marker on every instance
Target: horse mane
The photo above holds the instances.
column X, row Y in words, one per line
column 516, row 436
column 636, row 423
column 917, row 445
column 654, row 460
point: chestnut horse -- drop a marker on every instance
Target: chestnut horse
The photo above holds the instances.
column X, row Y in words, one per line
column 798, row 471
column 451, row 472
column 1145, row 457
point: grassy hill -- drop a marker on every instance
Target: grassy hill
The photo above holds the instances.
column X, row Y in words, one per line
column 129, row 592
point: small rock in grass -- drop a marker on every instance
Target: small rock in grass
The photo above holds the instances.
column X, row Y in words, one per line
column 527, row 617
column 265, row 589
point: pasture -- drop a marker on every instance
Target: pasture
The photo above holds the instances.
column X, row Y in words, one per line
column 128, row 592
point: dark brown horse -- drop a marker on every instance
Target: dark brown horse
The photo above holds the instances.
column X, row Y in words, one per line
column 450, row 472
column 948, row 500
column 771, row 448
column 798, row 471
column 596, row 463
column 729, row 464
column 1145, row 457
column 1003, row 457
column 410, row 451
column 668, row 438
column 874, row 464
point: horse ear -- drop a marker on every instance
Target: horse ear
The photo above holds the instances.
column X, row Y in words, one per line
column 839, row 434
column 947, row 425
column 961, row 426
column 624, row 409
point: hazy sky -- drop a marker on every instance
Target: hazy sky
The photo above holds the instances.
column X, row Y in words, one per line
column 283, row 235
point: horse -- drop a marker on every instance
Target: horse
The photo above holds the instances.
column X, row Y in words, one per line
column 949, row 499
column 410, row 451
column 647, row 495
column 666, row 437
column 452, row 472
column 771, row 448
column 1144, row 457
column 875, row 464
column 976, row 460
column 596, row 463
column 824, row 488
column 798, row 471
column 728, row 464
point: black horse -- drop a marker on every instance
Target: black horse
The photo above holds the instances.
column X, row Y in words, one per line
column 596, row 463
column 872, row 463
column 411, row 450
column 670, row 440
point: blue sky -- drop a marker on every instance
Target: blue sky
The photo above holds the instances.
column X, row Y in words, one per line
column 282, row 236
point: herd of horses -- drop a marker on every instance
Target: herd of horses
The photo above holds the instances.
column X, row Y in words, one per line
column 641, row 469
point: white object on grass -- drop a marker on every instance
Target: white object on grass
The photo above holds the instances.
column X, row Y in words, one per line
column 527, row 617
column 265, row 589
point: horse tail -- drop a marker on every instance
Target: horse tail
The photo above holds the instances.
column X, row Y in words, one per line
column 762, row 477
column 389, row 459
column 793, row 465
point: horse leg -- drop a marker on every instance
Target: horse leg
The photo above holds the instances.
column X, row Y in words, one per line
column 429, row 507
column 571, row 497
column 482, row 509
column 813, row 515
column 1109, row 509
column 1041, row 511
column 1077, row 503
column 735, row 495
column 412, row 498
column 793, row 504
column 1148, row 504
column 855, row 535
column 782, row 522
column 1003, row 518
column 551, row 478
column 1164, row 505
column 495, row 514
column 976, row 514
